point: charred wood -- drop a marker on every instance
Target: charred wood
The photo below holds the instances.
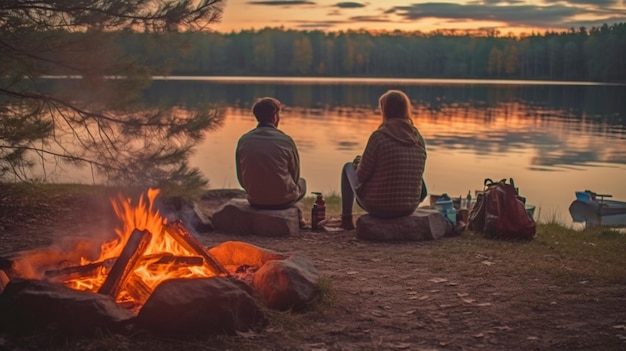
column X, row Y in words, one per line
column 184, row 237
column 126, row 263
column 76, row 272
column 175, row 262
column 137, row 289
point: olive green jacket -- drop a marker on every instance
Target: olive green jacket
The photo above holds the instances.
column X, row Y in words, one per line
column 268, row 166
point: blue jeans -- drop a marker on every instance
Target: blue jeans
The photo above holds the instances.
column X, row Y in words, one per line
column 349, row 182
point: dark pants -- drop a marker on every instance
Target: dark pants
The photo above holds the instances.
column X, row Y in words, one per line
column 301, row 193
column 349, row 182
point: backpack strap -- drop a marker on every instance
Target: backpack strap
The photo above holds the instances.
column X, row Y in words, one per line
column 488, row 182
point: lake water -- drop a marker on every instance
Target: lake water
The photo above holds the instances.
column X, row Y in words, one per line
column 552, row 138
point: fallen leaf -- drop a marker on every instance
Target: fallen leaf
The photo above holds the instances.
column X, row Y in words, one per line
column 503, row 328
column 488, row 263
column 401, row 346
column 438, row 280
column 352, row 272
column 247, row 335
column 532, row 338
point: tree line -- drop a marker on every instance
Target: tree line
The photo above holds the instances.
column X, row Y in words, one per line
column 596, row 54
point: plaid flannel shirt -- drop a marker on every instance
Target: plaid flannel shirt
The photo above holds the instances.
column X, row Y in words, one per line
column 391, row 168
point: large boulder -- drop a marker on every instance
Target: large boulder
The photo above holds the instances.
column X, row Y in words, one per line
column 423, row 224
column 181, row 307
column 237, row 217
column 282, row 282
column 29, row 306
column 292, row 283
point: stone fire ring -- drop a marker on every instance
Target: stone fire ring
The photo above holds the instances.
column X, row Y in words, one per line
column 177, row 307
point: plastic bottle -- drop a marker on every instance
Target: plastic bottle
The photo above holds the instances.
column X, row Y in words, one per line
column 446, row 207
column 318, row 212
column 451, row 215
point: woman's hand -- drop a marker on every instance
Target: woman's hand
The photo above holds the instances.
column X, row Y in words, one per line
column 356, row 161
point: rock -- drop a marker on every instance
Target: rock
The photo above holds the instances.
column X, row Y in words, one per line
column 4, row 280
column 282, row 282
column 32, row 305
column 238, row 217
column 238, row 253
column 207, row 306
column 292, row 283
column 189, row 212
column 423, row 224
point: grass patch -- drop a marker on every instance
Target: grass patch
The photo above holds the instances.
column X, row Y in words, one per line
column 566, row 255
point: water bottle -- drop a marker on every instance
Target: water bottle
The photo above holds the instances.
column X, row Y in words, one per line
column 318, row 212
column 446, row 207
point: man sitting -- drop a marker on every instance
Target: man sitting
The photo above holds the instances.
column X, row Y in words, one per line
column 267, row 162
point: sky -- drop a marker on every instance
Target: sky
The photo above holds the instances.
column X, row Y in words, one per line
column 504, row 16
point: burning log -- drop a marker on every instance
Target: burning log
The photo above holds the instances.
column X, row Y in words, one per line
column 126, row 263
column 158, row 260
column 76, row 272
column 174, row 262
column 180, row 233
column 137, row 289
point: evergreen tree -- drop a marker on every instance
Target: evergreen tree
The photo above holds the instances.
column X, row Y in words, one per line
column 93, row 118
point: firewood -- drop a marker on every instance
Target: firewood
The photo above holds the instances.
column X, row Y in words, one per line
column 76, row 272
column 174, row 262
column 182, row 235
column 137, row 289
column 126, row 263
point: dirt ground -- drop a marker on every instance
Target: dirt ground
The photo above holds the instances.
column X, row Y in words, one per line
column 436, row 295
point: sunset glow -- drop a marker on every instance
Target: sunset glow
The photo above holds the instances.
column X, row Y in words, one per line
column 503, row 17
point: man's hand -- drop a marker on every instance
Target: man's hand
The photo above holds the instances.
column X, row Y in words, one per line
column 356, row 161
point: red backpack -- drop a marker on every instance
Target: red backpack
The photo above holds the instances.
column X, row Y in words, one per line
column 500, row 212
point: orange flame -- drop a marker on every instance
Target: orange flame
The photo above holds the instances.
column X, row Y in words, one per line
column 141, row 216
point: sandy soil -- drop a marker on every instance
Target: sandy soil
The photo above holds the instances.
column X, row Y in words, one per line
column 436, row 295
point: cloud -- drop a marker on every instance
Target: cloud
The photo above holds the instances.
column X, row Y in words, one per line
column 281, row 2
column 594, row 3
column 349, row 5
column 513, row 15
column 368, row 19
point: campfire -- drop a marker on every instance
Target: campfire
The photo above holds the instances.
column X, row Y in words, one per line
column 146, row 253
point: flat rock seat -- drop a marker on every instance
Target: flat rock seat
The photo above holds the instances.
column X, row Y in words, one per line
column 237, row 217
column 423, row 224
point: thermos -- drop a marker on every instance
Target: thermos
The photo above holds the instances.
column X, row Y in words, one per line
column 318, row 212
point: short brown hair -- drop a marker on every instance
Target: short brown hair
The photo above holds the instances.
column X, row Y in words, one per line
column 395, row 104
column 265, row 108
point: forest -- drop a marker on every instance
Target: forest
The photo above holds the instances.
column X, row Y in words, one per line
column 595, row 54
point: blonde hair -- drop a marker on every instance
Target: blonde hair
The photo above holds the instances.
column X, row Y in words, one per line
column 395, row 104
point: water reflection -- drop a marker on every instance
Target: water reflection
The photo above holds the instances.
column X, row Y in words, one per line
column 552, row 139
